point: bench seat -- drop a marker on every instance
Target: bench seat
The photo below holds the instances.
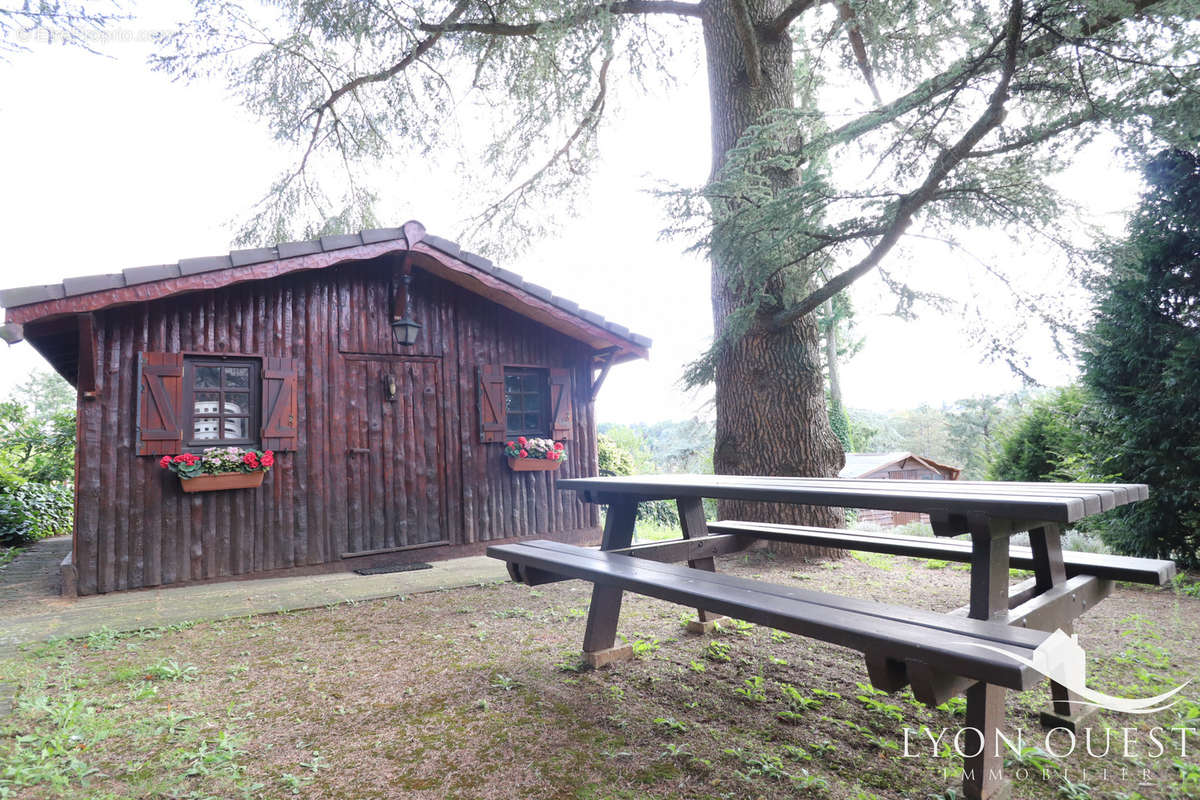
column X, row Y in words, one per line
column 944, row 642
column 1152, row 571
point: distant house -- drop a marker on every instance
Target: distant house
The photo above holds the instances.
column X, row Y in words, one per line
column 386, row 369
column 898, row 466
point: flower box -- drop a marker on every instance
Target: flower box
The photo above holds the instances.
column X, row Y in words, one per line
column 224, row 480
column 219, row 468
column 534, row 455
column 533, row 465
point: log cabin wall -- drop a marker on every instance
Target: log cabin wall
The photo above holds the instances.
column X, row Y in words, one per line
column 135, row 527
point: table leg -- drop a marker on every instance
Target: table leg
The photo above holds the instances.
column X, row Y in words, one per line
column 1065, row 709
column 691, row 519
column 600, row 637
column 983, row 772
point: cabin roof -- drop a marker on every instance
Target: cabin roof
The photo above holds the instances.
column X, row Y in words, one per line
column 35, row 305
column 859, row 465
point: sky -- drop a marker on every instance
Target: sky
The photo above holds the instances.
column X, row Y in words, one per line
column 107, row 165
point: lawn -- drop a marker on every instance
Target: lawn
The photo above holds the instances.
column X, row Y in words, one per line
column 478, row 693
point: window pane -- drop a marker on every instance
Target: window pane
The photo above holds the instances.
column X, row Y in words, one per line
column 533, row 422
column 514, row 422
column 236, row 428
column 512, row 383
column 237, row 378
column 208, row 377
column 205, row 428
column 512, row 402
column 205, row 403
column 237, row 403
column 533, row 402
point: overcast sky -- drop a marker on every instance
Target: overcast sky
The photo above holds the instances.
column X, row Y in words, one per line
column 107, row 165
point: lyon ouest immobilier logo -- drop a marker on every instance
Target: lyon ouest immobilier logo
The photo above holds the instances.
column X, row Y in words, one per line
column 1061, row 659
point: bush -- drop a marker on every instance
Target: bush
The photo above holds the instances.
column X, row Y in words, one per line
column 31, row 511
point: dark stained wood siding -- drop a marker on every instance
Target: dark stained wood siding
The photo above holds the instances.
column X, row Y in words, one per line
column 155, row 534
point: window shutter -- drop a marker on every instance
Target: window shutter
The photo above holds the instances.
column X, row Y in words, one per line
column 281, row 420
column 492, row 416
column 560, row 404
column 160, row 404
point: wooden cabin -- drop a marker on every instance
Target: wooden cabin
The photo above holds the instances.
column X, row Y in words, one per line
column 386, row 451
column 898, row 466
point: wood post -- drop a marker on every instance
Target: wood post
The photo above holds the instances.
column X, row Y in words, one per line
column 600, row 637
column 983, row 769
column 691, row 519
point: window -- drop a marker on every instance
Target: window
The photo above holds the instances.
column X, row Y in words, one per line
column 526, row 401
column 221, row 401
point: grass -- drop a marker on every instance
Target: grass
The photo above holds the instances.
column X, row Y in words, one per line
column 448, row 695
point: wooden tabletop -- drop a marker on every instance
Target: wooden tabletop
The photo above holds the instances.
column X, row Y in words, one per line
column 1048, row 502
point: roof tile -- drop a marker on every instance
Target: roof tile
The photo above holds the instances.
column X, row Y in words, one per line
column 374, row 235
column 158, row 272
column 92, row 283
column 477, row 261
column 565, row 304
column 445, row 245
column 341, row 241
column 293, row 249
column 538, row 291
column 256, row 255
column 24, row 295
column 508, row 276
column 192, row 266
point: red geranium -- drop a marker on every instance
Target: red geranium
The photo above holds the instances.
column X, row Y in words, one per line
column 510, row 444
column 268, row 458
column 250, row 460
column 558, row 445
column 521, row 440
column 552, row 455
column 524, row 454
column 164, row 462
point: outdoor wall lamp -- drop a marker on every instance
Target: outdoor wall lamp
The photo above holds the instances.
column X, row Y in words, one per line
column 405, row 329
column 389, row 388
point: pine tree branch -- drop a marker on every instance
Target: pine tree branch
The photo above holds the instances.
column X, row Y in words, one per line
column 751, row 58
column 496, row 28
column 387, row 74
column 913, row 202
column 859, row 46
column 778, row 26
column 975, row 65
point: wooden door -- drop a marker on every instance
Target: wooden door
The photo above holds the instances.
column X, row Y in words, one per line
column 396, row 474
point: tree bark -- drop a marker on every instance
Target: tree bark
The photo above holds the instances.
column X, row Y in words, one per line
column 831, row 358
column 770, row 398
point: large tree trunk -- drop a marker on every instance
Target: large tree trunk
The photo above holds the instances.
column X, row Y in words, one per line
column 770, row 398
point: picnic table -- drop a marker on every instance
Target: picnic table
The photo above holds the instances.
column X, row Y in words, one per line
column 931, row 652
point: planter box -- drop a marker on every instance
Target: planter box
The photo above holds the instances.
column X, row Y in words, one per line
column 533, row 464
column 224, row 480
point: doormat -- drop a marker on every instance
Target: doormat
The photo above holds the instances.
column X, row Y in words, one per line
column 393, row 568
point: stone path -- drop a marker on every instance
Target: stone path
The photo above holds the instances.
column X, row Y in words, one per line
column 32, row 580
column 29, row 612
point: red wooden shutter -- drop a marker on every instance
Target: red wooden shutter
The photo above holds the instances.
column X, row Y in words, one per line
column 492, row 415
column 281, row 420
column 160, row 404
column 560, row 403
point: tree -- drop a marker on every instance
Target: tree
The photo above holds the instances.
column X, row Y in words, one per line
column 37, row 431
column 55, row 22
column 969, row 107
column 1141, row 360
column 1047, row 443
column 975, row 425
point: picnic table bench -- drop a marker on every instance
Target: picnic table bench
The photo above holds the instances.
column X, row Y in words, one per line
column 929, row 651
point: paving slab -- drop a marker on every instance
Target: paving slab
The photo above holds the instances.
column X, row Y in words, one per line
column 153, row 608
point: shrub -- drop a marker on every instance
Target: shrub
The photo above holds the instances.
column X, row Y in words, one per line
column 31, row 511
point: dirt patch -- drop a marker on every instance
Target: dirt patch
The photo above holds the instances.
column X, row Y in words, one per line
column 479, row 693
